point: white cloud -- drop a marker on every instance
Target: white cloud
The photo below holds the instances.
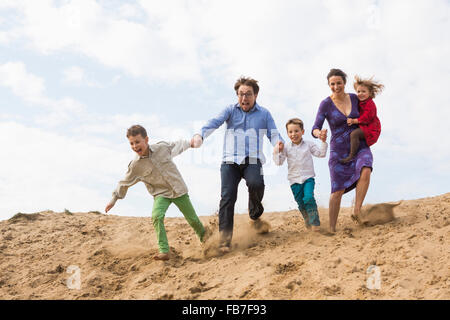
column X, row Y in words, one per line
column 31, row 89
column 76, row 76
column 23, row 84
column 4, row 37
column 7, row 116
column 86, row 27
column 131, row 11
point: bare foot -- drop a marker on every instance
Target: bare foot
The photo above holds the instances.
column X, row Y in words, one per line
column 356, row 218
column 161, row 256
column 328, row 233
column 315, row 228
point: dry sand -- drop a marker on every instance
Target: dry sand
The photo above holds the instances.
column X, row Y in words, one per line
column 114, row 256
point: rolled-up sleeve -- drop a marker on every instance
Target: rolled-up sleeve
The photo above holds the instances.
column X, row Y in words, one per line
column 319, row 152
column 279, row 157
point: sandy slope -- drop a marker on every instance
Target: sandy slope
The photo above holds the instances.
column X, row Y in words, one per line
column 114, row 255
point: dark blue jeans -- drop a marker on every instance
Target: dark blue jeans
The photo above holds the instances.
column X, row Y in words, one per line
column 231, row 175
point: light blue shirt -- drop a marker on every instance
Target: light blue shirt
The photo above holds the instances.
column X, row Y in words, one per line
column 244, row 132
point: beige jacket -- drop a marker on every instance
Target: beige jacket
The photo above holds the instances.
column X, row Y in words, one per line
column 157, row 171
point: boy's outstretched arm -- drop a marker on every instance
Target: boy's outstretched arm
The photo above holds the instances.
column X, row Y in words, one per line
column 109, row 207
column 122, row 187
column 179, row 146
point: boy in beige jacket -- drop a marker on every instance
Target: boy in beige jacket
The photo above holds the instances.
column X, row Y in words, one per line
column 153, row 165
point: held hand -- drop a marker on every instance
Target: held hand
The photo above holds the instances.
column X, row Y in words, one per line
column 323, row 135
column 196, row 141
column 278, row 147
column 108, row 207
column 349, row 121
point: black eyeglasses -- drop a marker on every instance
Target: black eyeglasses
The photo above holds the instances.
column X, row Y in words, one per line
column 246, row 94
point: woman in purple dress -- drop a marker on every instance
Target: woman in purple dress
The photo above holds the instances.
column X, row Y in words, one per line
column 344, row 177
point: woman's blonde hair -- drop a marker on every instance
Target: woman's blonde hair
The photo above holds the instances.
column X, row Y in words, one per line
column 374, row 86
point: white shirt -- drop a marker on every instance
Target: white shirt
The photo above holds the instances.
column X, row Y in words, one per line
column 299, row 159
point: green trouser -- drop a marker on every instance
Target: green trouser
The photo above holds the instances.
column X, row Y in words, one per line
column 160, row 206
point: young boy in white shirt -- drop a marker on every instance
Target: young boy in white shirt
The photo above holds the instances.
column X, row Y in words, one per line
column 298, row 153
column 153, row 165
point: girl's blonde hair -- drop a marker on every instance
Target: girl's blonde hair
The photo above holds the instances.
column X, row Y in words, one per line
column 374, row 86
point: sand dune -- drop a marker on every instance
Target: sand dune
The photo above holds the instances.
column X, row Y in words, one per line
column 410, row 250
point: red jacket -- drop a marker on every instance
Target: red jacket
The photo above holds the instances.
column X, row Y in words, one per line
column 368, row 121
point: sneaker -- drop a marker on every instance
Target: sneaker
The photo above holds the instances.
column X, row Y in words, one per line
column 225, row 239
column 206, row 235
column 260, row 226
column 224, row 249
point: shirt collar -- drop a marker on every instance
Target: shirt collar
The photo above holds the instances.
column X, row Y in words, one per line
column 149, row 154
column 291, row 144
column 255, row 107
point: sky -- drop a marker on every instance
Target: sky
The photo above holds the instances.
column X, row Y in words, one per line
column 75, row 74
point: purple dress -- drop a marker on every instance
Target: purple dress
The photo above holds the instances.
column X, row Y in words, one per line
column 343, row 176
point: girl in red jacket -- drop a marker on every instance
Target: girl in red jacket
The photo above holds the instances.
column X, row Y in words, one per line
column 369, row 124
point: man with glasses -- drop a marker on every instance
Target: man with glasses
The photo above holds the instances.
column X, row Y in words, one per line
column 247, row 123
